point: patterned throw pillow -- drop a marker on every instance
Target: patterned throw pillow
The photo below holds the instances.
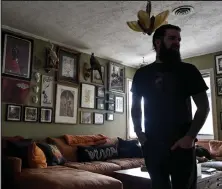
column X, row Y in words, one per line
column 96, row 153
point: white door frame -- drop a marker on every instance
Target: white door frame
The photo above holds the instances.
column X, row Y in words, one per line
column 127, row 109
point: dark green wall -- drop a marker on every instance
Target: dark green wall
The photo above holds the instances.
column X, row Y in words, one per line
column 38, row 130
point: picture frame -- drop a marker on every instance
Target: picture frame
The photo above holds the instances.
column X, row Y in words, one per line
column 116, row 77
column 13, row 113
column 98, row 118
column 109, row 116
column 110, row 97
column 110, row 106
column 100, row 91
column 17, row 56
column 95, row 76
column 30, row 114
column 100, row 104
column 66, row 104
column 219, row 86
column 47, row 91
column 221, row 120
column 87, row 96
column 86, row 117
column 45, row 115
column 68, row 70
column 218, row 64
column 119, row 104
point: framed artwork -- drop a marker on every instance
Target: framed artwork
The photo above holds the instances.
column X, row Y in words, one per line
column 100, row 104
column 30, row 114
column 14, row 86
column 86, row 118
column 109, row 116
column 116, row 77
column 110, row 106
column 87, row 96
column 119, row 104
column 98, row 118
column 45, row 115
column 219, row 86
column 218, row 64
column 100, row 92
column 68, row 66
column 96, row 76
column 17, row 56
column 66, row 104
column 47, row 91
column 110, row 97
column 13, row 112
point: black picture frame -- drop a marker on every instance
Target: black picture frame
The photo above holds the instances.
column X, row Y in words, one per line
column 94, row 118
column 36, row 116
column 117, row 104
column 8, row 106
column 100, row 91
column 81, row 117
column 219, row 86
column 100, row 104
column 218, row 64
column 40, row 114
column 110, row 106
column 110, row 97
column 108, row 117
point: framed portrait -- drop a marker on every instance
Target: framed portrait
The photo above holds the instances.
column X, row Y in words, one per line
column 66, row 104
column 116, row 77
column 30, row 114
column 100, row 92
column 218, row 64
column 17, row 56
column 109, row 116
column 100, row 104
column 110, row 97
column 45, row 115
column 119, row 104
column 13, row 112
column 98, row 118
column 47, row 91
column 68, row 66
column 86, row 117
column 96, row 78
column 14, row 86
column 87, row 96
column 219, row 86
column 110, row 106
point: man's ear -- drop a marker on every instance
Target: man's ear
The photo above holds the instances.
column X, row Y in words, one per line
column 157, row 43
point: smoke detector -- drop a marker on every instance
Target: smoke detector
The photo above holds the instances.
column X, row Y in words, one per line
column 183, row 10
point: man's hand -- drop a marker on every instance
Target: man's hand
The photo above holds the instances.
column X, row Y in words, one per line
column 141, row 137
column 186, row 142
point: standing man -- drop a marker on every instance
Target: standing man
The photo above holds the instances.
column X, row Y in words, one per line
column 166, row 87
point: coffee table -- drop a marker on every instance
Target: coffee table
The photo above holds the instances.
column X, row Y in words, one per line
column 135, row 178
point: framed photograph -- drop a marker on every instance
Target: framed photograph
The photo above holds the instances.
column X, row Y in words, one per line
column 13, row 112
column 68, row 66
column 30, row 114
column 96, row 76
column 87, row 96
column 98, row 118
column 110, row 106
column 100, row 92
column 110, row 97
column 14, row 86
column 109, row 116
column 86, row 118
column 17, row 56
column 218, row 64
column 119, row 104
column 47, row 91
column 45, row 115
column 66, row 104
column 116, row 77
column 219, row 86
column 100, row 104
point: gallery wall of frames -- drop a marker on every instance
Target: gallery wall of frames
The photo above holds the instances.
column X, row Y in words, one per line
column 57, row 94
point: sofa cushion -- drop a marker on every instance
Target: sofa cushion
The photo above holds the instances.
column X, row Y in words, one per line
column 213, row 164
column 215, row 148
column 127, row 163
column 100, row 167
column 60, row 177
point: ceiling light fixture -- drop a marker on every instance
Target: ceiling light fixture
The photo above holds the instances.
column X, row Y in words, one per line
column 183, row 10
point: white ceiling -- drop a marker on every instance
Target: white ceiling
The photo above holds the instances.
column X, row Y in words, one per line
column 100, row 26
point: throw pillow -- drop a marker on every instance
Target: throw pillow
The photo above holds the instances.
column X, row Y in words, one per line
column 36, row 157
column 96, row 153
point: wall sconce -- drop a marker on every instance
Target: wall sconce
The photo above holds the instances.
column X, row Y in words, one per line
column 35, row 99
column 37, row 77
column 86, row 72
column 36, row 89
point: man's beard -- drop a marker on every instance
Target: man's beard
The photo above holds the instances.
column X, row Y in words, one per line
column 170, row 55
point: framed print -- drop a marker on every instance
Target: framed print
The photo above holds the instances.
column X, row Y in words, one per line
column 45, row 115
column 116, row 77
column 66, row 104
column 68, row 66
column 100, row 92
column 14, row 86
column 110, row 106
column 219, row 86
column 13, row 112
column 17, row 56
column 86, row 118
column 98, row 118
column 218, row 64
column 109, row 116
column 87, row 96
column 47, row 91
column 119, row 104
column 100, row 103
column 30, row 114
column 110, row 97
column 96, row 76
